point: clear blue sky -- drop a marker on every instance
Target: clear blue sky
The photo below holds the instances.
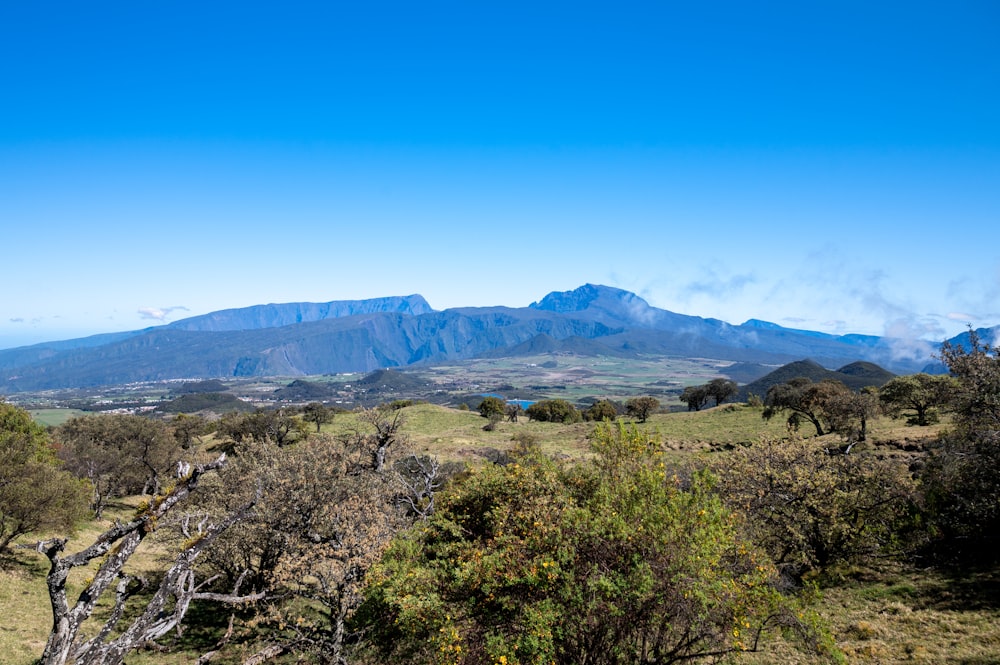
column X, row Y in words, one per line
column 828, row 165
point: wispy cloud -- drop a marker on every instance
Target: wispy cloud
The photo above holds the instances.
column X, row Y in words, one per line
column 159, row 313
column 713, row 284
column 17, row 320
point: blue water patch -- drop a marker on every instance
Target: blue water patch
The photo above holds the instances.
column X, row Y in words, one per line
column 523, row 403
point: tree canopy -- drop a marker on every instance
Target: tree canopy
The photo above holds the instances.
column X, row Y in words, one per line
column 35, row 493
column 609, row 563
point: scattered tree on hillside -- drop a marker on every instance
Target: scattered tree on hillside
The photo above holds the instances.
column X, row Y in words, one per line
column 849, row 412
column 279, row 426
column 35, row 493
column 317, row 413
column 721, row 389
column 641, row 407
column 599, row 411
column 923, row 394
column 372, row 448
column 696, row 397
column 553, row 411
column 492, row 406
column 187, row 429
column 118, row 454
column 804, row 400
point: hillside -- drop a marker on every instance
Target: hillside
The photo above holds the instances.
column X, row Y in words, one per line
column 302, row 339
column 855, row 376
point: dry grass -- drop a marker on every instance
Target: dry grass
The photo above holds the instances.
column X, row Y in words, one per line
column 905, row 615
column 893, row 615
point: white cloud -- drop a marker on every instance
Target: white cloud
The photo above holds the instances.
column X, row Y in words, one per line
column 159, row 313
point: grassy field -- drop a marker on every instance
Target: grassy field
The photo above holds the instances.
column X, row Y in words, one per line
column 54, row 417
column 894, row 614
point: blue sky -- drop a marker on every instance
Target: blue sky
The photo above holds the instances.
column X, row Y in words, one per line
column 826, row 165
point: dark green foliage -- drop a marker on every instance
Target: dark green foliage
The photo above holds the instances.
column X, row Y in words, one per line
column 804, row 400
column 696, row 397
column 611, row 563
column 195, row 402
column 553, row 411
column 35, row 493
column 492, row 406
column 300, row 390
column 211, row 386
column 918, row 397
column 811, row 509
column 721, row 389
column 279, row 426
column 118, row 454
column 601, row 410
column 962, row 478
column 318, row 414
column 642, row 407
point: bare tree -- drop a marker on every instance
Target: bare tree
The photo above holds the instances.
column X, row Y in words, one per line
column 168, row 605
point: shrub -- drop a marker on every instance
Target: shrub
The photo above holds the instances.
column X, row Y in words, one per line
column 810, row 509
column 611, row 563
column 553, row 411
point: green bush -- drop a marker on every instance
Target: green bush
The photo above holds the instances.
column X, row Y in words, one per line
column 609, row 563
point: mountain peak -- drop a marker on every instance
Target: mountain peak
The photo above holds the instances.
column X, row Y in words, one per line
column 587, row 296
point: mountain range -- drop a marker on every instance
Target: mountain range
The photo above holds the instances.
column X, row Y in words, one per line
column 300, row 339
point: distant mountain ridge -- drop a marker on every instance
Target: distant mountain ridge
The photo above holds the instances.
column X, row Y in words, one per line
column 298, row 339
column 278, row 315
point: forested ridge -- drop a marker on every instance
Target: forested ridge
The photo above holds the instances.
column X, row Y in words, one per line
column 311, row 534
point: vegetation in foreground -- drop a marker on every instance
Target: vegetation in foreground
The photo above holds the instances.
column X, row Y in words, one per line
column 823, row 532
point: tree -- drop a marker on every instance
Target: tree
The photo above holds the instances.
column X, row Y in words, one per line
column 695, row 397
column 599, row 411
column 118, row 454
column 810, row 509
column 641, row 407
column 849, row 412
column 317, row 413
column 187, row 429
column 323, row 521
column 372, row 448
column 35, row 493
column 513, row 411
column 922, row 394
column 611, row 563
column 279, row 426
column 721, row 389
column 804, row 399
column 962, row 476
column 113, row 549
column 492, row 406
column 553, row 411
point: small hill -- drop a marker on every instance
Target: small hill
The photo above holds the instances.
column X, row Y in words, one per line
column 300, row 390
column 865, row 374
column 390, row 380
column 209, row 386
column 196, row 402
column 855, row 376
